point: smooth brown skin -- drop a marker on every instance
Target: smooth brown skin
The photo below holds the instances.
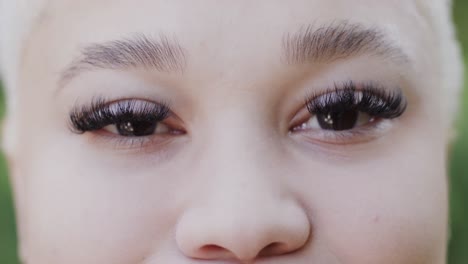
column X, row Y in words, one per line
column 238, row 187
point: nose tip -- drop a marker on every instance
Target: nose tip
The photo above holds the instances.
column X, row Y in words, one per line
column 212, row 234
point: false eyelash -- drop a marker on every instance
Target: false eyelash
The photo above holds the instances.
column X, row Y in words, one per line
column 369, row 98
column 101, row 113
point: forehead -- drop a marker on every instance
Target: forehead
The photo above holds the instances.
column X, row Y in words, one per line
column 224, row 10
column 220, row 34
column 226, row 22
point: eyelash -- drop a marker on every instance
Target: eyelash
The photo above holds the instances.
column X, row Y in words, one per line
column 375, row 101
column 369, row 98
column 101, row 113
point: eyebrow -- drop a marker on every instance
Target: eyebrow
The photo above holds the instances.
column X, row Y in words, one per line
column 139, row 50
column 310, row 44
column 338, row 40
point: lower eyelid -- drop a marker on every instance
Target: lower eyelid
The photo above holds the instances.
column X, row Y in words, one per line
column 117, row 143
column 347, row 137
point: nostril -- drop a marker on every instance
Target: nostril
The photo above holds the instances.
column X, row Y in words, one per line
column 275, row 248
column 272, row 249
column 215, row 251
column 211, row 248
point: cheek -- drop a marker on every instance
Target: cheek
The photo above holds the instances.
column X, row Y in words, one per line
column 104, row 212
column 386, row 209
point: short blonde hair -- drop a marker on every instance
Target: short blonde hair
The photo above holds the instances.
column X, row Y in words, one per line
column 17, row 19
column 439, row 13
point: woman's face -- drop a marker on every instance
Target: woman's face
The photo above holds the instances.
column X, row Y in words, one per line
column 231, row 132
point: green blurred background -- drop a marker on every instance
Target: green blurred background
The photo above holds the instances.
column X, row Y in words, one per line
column 458, row 248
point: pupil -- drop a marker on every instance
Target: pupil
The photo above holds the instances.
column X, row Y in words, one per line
column 338, row 121
column 140, row 128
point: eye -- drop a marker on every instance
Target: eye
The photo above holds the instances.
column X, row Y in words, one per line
column 348, row 111
column 129, row 123
column 338, row 121
column 137, row 128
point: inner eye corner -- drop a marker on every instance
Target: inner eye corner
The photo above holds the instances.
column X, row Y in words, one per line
column 300, row 116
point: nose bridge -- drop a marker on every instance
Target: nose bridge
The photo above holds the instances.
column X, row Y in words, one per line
column 239, row 135
column 236, row 164
column 242, row 185
column 240, row 157
column 243, row 210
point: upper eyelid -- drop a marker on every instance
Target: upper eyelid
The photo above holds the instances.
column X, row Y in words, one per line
column 389, row 103
column 99, row 113
column 100, row 103
column 374, row 87
column 370, row 88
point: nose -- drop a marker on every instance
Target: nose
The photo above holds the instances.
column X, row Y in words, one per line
column 251, row 233
column 242, row 217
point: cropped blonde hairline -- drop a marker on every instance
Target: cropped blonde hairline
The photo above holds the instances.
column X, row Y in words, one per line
column 17, row 19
